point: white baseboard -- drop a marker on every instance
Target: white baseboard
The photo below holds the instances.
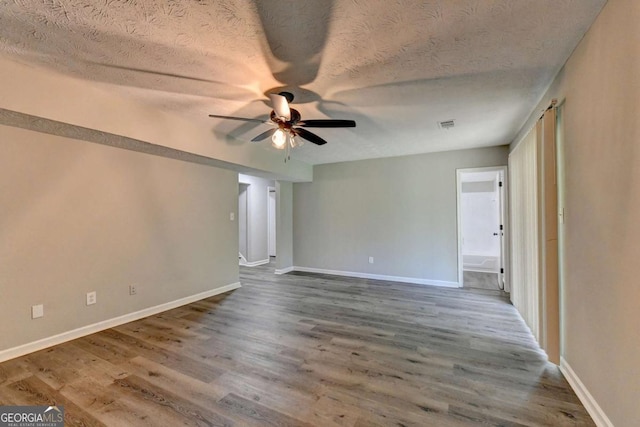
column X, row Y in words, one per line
column 592, row 407
column 284, row 270
column 41, row 344
column 242, row 259
column 414, row 280
column 256, row 263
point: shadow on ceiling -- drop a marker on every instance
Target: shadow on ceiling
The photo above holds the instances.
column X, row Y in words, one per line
column 293, row 47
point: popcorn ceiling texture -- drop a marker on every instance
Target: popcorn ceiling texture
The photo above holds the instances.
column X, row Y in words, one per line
column 396, row 67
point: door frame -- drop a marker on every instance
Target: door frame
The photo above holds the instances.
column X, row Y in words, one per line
column 504, row 247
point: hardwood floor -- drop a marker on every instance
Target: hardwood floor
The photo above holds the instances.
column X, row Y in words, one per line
column 306, row 350
column 480, row 280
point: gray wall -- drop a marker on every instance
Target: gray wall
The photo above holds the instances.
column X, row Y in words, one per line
column 77, row 217
column 599, row 89
column 400, row 210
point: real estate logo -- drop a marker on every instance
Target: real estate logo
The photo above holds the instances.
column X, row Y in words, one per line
column 31, row 416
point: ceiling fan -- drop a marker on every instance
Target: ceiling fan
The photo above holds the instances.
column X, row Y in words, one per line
column 287, row 124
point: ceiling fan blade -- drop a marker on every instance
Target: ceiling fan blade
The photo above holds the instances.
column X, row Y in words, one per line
column 327, row 123
column 311, row 137
column 280, row 106
column 264, row 135
column 242, row 119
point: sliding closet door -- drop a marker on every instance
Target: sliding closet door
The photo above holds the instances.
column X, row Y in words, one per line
column 548, row 236
column 534, row 234
column 525, row 288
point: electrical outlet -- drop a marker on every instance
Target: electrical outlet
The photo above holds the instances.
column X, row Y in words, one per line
column 37, row 311
column 91, row 298
column 370, row 260
column 132, row 290
column 232, row 216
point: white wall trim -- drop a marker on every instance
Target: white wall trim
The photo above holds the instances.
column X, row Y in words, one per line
column 41, row 344
column 414, row 280
column 589, row 402
column 242, row 260
column 256, row 263
column 284, row 270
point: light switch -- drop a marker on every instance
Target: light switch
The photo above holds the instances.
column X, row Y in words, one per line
column 37, row 311
column 232, row 216
column 91, row 298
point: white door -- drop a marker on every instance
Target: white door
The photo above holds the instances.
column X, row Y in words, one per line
column 272, row 221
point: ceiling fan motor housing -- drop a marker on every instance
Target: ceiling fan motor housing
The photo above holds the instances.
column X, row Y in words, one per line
column 295, row 117
column 288, row 95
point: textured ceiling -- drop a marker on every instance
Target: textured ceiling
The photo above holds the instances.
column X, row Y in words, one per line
column 396, row 67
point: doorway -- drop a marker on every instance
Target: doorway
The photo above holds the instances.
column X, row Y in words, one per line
column 271, row 220
column 482, row 247
column 243, row 223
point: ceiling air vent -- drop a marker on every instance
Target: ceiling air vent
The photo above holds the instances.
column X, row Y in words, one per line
column 447, row 124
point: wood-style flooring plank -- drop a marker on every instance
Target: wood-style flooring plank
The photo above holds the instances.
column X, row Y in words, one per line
column 34, row 391
column 306, row 349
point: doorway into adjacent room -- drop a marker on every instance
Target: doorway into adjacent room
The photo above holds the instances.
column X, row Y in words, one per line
column 482, row 228
column 243, row 225
column 271, row 221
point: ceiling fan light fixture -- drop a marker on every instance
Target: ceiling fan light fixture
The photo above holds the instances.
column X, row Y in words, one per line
column 279, row 139
column 288, row 129
column 293, row 142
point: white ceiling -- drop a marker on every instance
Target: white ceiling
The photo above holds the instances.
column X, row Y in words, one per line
column 396, row 67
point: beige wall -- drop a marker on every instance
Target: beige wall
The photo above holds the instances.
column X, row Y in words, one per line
column 400, row 210
column 600, row 88
column 77, row 217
